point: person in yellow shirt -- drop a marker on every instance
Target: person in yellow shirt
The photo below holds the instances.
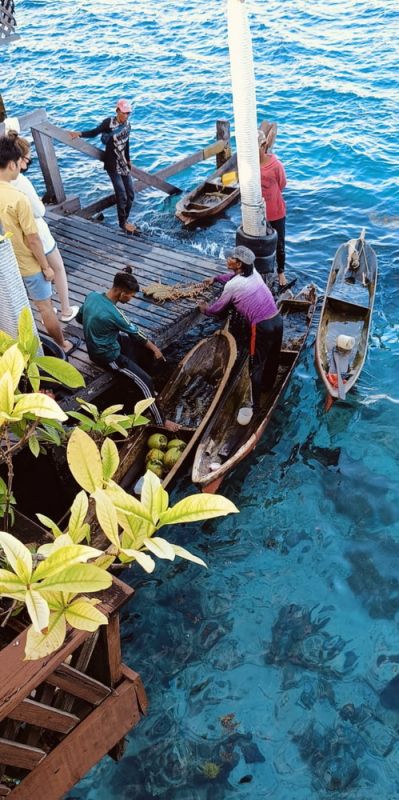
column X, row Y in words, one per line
column 17, row 218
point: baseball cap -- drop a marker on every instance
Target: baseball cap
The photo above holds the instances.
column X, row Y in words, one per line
column 124, row 106
column 244, row 254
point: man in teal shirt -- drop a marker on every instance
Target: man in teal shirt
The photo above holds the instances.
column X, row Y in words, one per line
column 112, row 341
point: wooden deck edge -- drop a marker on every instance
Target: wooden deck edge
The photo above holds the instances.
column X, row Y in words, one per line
column 87, row 743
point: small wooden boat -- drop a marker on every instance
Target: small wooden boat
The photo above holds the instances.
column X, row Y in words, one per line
column 346, row 318
column 209, row 198
column 225, row 442
column 189, row 397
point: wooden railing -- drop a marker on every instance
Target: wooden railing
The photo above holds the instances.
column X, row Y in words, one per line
column 44, row 133
column 62, row 714
column 7, row 21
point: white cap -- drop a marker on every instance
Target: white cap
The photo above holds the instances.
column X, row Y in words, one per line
column 345, row 342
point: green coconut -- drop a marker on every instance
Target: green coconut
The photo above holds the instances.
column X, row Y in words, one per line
column 158, row 441
column 155, row 455
column 177, row 443
column 155, row 467
column 171, row 456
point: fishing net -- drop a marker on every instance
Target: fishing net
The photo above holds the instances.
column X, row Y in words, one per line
column 160, row 292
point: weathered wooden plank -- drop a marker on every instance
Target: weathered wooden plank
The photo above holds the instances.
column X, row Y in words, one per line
column 85, row 745
column 14, row 754
column 44, row 716
column 48, row 163
column 113, row 650
column 71, row 205
column 19, row 677
column 223, row 132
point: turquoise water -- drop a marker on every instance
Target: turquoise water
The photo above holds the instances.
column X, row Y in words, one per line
column 271, row 663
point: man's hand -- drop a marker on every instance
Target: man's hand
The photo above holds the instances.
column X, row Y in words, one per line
column 48, row 273
column 75, row 134
column 202, row 307
column 209, row 281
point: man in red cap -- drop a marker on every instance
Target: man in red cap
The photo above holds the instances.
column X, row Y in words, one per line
column 115, row 133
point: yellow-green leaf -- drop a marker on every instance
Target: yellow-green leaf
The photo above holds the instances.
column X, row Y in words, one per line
column 64, row 557
column 142, row 405
column 111, row 410
column 61, row 541
column 109, row 458
column 143, row 559
column 38, row 610
column 39, row 645
column 183, row 553
column 85, row 461
column 49, row 523
column 160, row 547
column 77, row 578
column 12, row 361
column 104, row 561
column 198, row 507
column 62, row 371
column 40, row 405
column 18, row 556
column 34, row 376
column 106, row 515
column 79, row 510
column 83, row 615
column 126, row 503
column 34, row 446
column 11, row 585
column 6, row 393
column 26, row 333
column 153, row 496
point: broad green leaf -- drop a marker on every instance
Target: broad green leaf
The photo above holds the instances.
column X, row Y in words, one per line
column 48, row 523
column 34, row 445
column 81, row 417
column 153, row 496
column 90, row 407
column 38, row 610
column 83, row 615
column 145, row 561
column 18, row 556
column 5, row 341
column 79, row 510
column 63, row 371
column 39, row 645
column 104, row 561
column 85, row 461
column 198, row 507
column 126, row 503
column 61, row 541
column 135, row 529
column 34, row 376
column 160, row 547
column 109, row 458
column 26, row 333
column 139, row 421
column 40, row 405
column 12, row 361
column 111, row 410
column 77, row 578
column 142, row 405
column 57, row 601
column 11, row 584
column 6, row 393
column 183, row 553
column 106, row 515
column 64, row 557
column 116, row 428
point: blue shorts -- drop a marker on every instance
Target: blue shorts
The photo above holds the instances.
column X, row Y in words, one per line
column 37, row 287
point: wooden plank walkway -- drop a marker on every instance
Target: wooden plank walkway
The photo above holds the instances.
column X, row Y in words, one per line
column 93, row 252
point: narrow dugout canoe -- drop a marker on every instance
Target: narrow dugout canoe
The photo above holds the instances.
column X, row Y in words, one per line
column 190, row 397
column 210, row 198
column 224, row 442
column 346, row 312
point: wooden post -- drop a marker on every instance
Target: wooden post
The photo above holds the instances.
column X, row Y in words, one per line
column 223, row 132
column 49, row 166
column 3, row 112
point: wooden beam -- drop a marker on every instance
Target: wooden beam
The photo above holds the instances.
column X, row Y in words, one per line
column 25, row 120
column 85, row 745
column 48, row 163
column 44, row 716
column 78, row 684
column 14, row 754
column 70, row 205
column 223, row 132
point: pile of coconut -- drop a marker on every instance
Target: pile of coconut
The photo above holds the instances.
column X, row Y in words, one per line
column 163, row 453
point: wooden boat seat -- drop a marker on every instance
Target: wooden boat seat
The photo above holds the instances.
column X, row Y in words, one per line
column 340, row 304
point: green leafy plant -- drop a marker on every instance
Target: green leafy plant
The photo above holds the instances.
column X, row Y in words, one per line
column 105, row 423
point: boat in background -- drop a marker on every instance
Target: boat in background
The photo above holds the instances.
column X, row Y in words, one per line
column 225, row 442
column 189, row 398
column 345, row 320
column 212, row 196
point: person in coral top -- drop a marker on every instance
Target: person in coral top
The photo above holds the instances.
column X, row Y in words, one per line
column 273, row 181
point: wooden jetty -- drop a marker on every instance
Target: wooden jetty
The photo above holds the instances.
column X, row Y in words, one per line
column 8, row 22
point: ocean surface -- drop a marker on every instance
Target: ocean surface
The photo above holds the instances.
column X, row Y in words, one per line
column 268, row 674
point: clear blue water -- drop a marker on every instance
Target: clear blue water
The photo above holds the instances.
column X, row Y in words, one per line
column 271, row 663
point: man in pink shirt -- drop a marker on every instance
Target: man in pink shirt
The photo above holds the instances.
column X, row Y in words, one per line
column 273, row 181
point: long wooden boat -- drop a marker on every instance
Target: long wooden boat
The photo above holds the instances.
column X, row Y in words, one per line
column 346, row 312
column 209, row 198
column 224, row 442
column 189, row 398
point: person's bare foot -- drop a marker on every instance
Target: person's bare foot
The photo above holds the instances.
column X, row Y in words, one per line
column 282, row 279
column 130, row 228
column 171, row 426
